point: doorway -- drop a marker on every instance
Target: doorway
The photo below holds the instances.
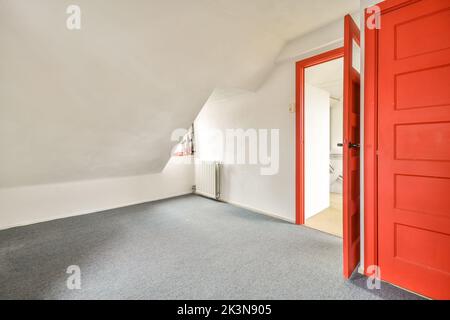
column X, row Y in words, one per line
column 323, row 146
column 350, row 142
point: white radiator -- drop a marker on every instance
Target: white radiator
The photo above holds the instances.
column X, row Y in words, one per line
column 207, row 179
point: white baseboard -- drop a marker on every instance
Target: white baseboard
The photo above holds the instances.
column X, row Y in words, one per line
column 361, row 269
column 74, row 214
column 270, row 214
column 204, row 194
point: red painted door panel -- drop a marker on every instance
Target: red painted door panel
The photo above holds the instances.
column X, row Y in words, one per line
column 414, row 147
column 351, row 150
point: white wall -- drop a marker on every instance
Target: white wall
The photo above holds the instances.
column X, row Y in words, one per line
column 91, row 103
column 329, row 37
column 267, row 107
column 32, row 204
column 336, row 153
column 336, row 126
column 317, row 150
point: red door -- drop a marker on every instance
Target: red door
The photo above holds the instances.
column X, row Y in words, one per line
column 351, row 148
column 414, row 146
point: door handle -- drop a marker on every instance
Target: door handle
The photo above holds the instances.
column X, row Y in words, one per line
column 350, row 145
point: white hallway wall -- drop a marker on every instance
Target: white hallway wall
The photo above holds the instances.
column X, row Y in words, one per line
column 336, row 136
column 317, row 150
column 336, row 126
column 32, row 204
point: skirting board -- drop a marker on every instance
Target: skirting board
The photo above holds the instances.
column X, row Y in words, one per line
column 204, row 194
column 30, row 222
column 361, row 269
column 273, row 215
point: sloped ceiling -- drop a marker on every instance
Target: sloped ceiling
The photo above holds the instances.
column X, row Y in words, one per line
column 102, row 101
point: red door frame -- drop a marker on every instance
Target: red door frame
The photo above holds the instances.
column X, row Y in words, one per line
column 371, row 134
column 300, row 126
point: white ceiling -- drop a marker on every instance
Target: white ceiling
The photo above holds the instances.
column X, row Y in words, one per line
column 102, row 101
column 328, row 76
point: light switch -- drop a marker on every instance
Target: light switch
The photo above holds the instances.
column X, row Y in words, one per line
column 292, row 108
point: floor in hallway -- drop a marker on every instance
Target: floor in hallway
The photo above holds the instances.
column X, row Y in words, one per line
column 330, row 219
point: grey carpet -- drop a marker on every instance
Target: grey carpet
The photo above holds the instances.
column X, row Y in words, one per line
column 182, row 248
